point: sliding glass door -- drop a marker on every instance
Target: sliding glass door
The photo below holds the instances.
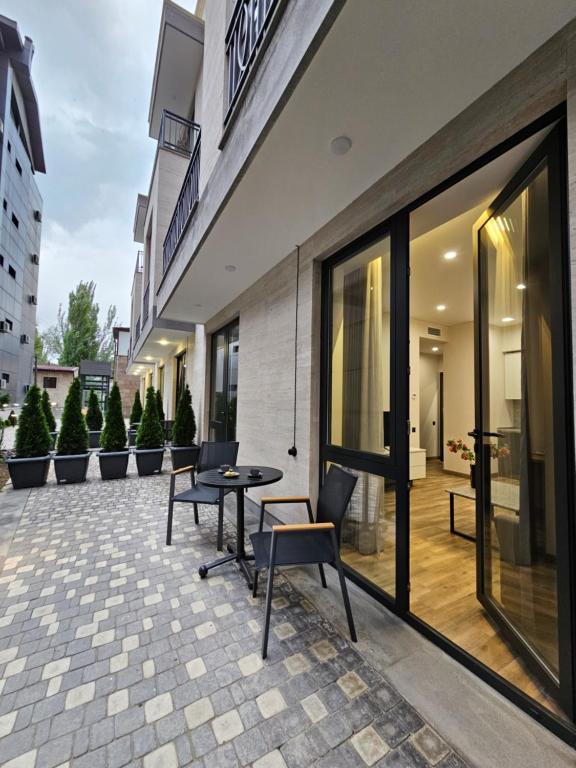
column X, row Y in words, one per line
column 224, row 382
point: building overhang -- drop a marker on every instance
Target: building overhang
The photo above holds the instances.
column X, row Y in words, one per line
column 178, row 64
column 140, row 218
column 158, row 340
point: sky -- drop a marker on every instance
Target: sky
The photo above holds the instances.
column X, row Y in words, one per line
column 92, row 71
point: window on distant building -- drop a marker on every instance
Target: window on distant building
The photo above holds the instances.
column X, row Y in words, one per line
column 6, row 377
column 12, row 272
column 18, row 167
column 50, row 382
column 15, row 220
column 9, row 147
column 1, row 260
column 5, row 204
column 9, row 324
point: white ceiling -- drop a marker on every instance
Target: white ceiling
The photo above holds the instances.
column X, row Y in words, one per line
column 388, row 75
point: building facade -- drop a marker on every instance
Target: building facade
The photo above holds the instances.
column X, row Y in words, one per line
column 21, row 157
column 127, row 384
column 364, row 257
column 56, row 380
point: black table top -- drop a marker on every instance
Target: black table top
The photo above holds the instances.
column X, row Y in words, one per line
column 215, row 479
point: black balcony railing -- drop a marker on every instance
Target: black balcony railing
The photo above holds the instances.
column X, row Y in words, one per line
column 146, row 303
column 177, row 133
column 137, row 331
column 185, row 207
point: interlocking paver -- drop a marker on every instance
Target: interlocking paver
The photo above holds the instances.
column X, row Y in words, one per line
column 113, row 652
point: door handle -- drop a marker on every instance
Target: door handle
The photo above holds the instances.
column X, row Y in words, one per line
column 477, row 434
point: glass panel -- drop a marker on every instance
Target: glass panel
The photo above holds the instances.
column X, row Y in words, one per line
column 360, row 396
column 520, row 518
column 233, row 346
column 218, row 399
column 368, row 543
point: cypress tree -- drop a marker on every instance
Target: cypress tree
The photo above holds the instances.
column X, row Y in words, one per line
column 32, row 436
column 93, row 414
column 184, row 430
column 113, row 437
column 160, row 406
column 73, row 436
column 136, row 412
column 150, row 432
column 47, row 409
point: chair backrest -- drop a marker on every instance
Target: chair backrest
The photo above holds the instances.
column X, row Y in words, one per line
column 335, row 496
column 213, row 454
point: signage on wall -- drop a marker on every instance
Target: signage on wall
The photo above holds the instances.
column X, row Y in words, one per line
column 249, row 25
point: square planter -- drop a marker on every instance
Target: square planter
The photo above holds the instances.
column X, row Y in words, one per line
column 28, row 472
column 184, row 456
column 71, row 469
column 113, row 464
column 94, row 438
column 149, row 460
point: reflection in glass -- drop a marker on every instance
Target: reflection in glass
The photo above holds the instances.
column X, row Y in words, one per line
column 360, row 402
column 218, row 399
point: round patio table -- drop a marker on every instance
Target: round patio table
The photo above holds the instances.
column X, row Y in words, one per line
column 216, row 479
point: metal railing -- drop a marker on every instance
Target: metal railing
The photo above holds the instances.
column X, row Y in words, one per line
column 177, row 133
column 146, row 303
column 185, row 207
column 139, row 261
column 137, row 331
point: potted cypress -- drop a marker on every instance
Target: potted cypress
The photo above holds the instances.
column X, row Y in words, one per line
column 113, row 454
column 135, row 417
column 72, row 457
column 30, row 467
column 150, row 438
column 161, row 415
column 50, row 420
column 184, row 451
column 94, row 420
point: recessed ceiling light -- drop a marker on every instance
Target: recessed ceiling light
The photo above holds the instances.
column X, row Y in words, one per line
column 230, row 268
column 148, row 357
column 163, row 342
column 441, row 307
column 434, row 349
column 449, row 255
column 341, row 145
column 507, row 319
column 521, row 287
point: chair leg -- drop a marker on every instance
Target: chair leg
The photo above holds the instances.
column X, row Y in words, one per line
column 196, row 514
column 220, row 533
column 267, row 612
column 169, row 526
column 344, row 589
column 255, row 585
column 322, row 577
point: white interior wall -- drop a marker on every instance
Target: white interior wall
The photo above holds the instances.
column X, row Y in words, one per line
column 458, row 391
column 430, row 368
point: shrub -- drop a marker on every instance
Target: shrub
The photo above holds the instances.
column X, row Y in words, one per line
column 32, row 436
column 73, row 436
column 136, row 412
column 160, row 406
column 93, row 414
column 150, row 432
column 184, row 430
column 47, row 409
column 113, row 437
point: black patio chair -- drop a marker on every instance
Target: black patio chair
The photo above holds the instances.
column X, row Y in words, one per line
column 312, row 543
column 211, row 456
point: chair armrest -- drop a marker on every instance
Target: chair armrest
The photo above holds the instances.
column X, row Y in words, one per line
column 302, row 527
column 283, row 500
column 191, row 468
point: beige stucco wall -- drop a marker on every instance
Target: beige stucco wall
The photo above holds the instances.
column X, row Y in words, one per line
column 63, row 381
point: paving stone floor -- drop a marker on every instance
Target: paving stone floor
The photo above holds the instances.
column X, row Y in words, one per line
column 114, row 653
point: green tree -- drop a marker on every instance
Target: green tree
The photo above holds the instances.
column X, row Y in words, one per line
column 47, row 410
column 73, row 436
column 39, row 351
column 136, row 412
column 32, row 436
column 184, row 430
column 94, row 414
column 160, row 406
column 150, row 432
column 113, row 437
column 77, row 334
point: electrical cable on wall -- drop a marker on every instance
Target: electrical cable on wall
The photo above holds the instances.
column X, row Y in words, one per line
column 293, row 451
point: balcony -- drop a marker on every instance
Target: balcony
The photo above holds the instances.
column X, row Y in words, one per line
column 178, row 134
column 185, row 206
column 137, row 331
column 146, row 304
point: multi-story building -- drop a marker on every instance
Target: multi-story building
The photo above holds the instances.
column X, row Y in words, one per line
column 357, row 245
column 21, row 157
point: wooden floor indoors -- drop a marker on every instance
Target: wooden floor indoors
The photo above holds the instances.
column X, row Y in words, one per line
column 443, row 579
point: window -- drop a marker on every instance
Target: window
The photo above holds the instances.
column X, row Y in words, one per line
column 9, row 147
column 1, row 260
column 6, row 377
column 9, row 324
column 12, row 272
column 18, row 167
column 50, row 382
column 15, row 220
column 5, row 204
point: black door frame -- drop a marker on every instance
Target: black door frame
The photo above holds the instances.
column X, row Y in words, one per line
column 398, row 228
column 225, row 329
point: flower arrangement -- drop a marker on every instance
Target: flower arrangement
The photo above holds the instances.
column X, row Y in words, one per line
column 467, row 454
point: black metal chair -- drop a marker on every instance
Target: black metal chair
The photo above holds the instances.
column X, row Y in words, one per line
column 313, row 543
column 211, row 456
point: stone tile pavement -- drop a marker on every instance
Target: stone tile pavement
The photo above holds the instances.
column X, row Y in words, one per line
column 114, row 653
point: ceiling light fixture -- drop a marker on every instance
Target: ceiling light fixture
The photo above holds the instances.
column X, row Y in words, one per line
column 434, row 349
column 341, row 145
column 507, row 319
column 230, row 268
column 521, row 287
column 441, row 307
column 449, row 255
column 163, row 342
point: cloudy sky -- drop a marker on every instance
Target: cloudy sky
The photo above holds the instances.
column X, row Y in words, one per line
column 92, row 69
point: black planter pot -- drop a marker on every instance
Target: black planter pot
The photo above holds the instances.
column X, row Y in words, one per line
column 472, row 476
column 184, row 456
column 94, row 438
column 113, row 464
column 149, row 460
column 71, row 469
column 28, row 473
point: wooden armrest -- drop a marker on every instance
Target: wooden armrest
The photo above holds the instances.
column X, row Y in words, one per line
column 183, row 469
column 284, row 499
column 302, row 527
